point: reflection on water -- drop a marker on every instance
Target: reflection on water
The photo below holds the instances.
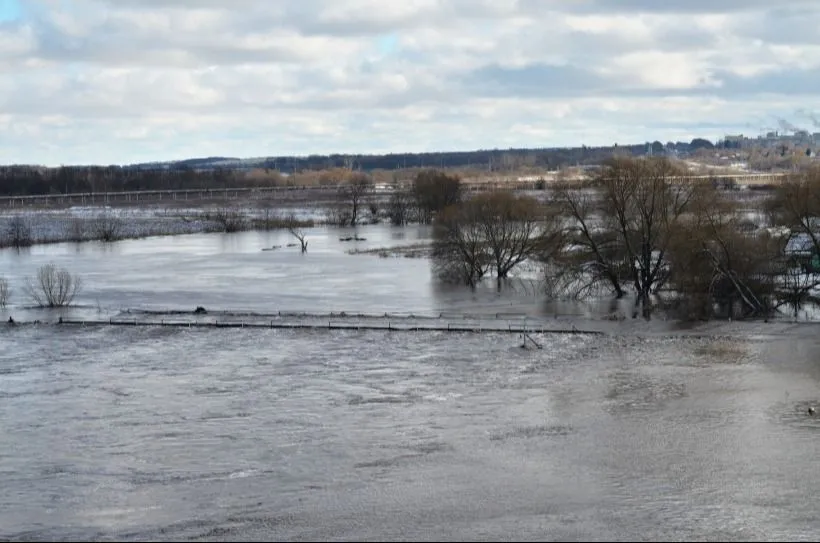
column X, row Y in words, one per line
column 159, row 433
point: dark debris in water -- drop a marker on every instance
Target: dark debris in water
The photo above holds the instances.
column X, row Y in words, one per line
column 361, row 400
column 386, row 462
column 803, row 414
column 526, row 432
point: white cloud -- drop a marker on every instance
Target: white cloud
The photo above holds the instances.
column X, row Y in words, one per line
column 117, row 81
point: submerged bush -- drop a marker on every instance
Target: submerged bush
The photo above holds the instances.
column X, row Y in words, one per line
column 53, row 287
column 18, row 232
column 5, row 292
column 107, row 227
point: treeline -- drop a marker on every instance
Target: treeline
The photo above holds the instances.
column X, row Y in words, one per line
column 216, row 172
column 488, row 159
column 634, row 231
column 25, row 180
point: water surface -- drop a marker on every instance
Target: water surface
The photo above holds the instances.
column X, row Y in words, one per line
column 229, row 434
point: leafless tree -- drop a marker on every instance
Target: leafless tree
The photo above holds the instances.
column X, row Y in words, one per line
column 53, row 287
column 5, row 291
column 459, row 251
column 268, row 216
column 493, row 231
column 400, row 208
column 623, row 227
column 715, row 262
column 76, row 229
column 18, row 232
column 796, row 283
column 296, row 231
column 591, row 262
column 512, row 228
column 231, row 220
column 355, row 192
column 337, row 214
column 796, row 205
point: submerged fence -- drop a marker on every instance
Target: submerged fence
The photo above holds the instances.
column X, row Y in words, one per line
column 497, row 322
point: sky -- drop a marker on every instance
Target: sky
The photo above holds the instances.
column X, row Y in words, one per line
column 125, row 81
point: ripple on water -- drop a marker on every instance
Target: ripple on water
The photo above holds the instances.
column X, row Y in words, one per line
column 286, row 435
column 796, row 414
column 632, row 391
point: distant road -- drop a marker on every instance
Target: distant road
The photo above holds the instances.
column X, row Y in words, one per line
column 236, row 193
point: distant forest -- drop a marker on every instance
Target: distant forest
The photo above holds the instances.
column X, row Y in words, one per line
column 219, row 172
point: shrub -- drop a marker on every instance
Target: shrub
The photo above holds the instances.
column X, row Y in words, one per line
column 53, row 287
column 76, row 229
column 5, row 292
column 107, row 227
column 230, row 220
column 18, row 232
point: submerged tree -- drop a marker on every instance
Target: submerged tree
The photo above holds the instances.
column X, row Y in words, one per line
column 5, row 291
column 493, row 231
column 715, row 262
column 435, row 191
column 353, row 193
column 400, row 208
column 796, row 206
column 53, row 287
column 296, row 231
column 621, row 227
column 18, row 232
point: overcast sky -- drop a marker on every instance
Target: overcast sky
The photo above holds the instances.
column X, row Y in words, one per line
column 120, row 81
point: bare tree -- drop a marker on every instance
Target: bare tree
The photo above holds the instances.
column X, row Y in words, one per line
column 53, row 287
column 626, row 224
column 373, row 212
column 715, row 262
column 296, row 231
column 494, row 231
column 355, row 192
column 796, row 282
column 511, row 226
column 337, row 214
column 459, row 250
column 18, row 232
column 76, row 229
column 796, row 205
column 5, row 291
column 268, row 216
column 231, row 220
column 400, row 207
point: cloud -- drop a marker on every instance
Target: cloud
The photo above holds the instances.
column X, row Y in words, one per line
column 118, row 81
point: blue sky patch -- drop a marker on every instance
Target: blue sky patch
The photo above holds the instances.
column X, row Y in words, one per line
column 387, row 44
column 10, row 10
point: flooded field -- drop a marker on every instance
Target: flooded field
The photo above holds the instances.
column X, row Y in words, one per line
column 242, row 271
column 155, row 433
column 160, row 433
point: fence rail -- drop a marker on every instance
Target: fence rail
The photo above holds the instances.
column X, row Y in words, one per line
column 393, row 315
column 400, row 325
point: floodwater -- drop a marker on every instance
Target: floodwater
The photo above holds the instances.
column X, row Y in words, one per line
column 232, row 271
column 236, row 434
column 158, row 433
